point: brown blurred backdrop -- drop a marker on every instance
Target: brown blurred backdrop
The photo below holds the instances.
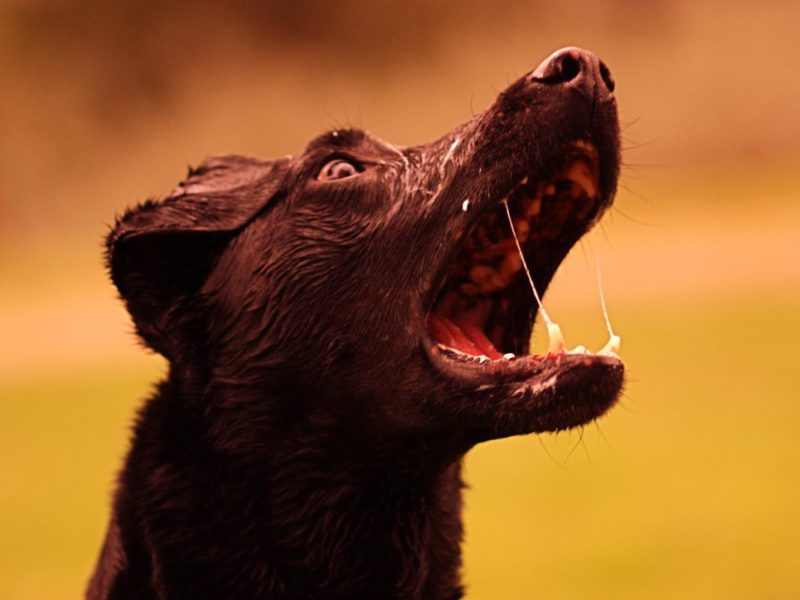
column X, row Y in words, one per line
column 103, row 104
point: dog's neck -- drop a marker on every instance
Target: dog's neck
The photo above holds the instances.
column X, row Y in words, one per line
column 348, row 507
column 330, row 512
column 381, row 532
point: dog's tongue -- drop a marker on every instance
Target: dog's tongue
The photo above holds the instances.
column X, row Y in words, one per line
column 461, row 335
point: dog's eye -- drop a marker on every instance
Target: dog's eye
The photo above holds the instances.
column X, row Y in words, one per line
column 338, row 169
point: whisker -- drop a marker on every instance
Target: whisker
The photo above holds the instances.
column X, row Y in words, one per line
column 618, row 211
column 575, row 447
column 546, row 451
column 602, row 434
column 586, row 451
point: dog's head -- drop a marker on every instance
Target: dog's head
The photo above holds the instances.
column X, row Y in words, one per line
column 384, row 281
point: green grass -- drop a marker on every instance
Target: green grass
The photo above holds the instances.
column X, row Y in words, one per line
column 62, row 439
column 689, row 491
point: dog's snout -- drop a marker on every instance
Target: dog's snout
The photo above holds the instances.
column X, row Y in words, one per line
column 575, row 66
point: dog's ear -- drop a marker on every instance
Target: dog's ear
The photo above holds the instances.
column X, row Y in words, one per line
column 160, row 253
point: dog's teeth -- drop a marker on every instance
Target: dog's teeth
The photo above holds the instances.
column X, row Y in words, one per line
column 480, row 274
column 508, row 355
column 556, row 343
column 511, row 264
column 578, row 350
column 612, row 347
column 465, row 205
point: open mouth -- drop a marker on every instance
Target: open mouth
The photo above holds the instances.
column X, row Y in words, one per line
column 485, row 308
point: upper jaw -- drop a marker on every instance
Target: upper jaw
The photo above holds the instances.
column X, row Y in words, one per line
column 553, row 154
column 583, row 179
column 482, row 282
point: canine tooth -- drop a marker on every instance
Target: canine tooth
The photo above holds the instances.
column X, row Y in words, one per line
column 465, row 205
column 612, row 347
column 508, row 355
column 511, row 264
column 556, row 343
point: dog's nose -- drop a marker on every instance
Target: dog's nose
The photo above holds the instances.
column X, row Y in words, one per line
column 575, row 66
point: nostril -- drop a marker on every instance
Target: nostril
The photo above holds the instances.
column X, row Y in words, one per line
column 560, row 67
column 607, row 78
column 572, row 67
column 567, row 68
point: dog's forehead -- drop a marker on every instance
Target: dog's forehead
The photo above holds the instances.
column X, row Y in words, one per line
column 349, row 140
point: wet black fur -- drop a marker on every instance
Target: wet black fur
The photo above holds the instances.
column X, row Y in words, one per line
column 303, row 445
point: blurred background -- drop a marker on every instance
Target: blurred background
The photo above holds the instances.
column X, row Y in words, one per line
column 688, row 489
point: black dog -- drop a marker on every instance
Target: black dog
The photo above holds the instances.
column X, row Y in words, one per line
column 341, row 328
